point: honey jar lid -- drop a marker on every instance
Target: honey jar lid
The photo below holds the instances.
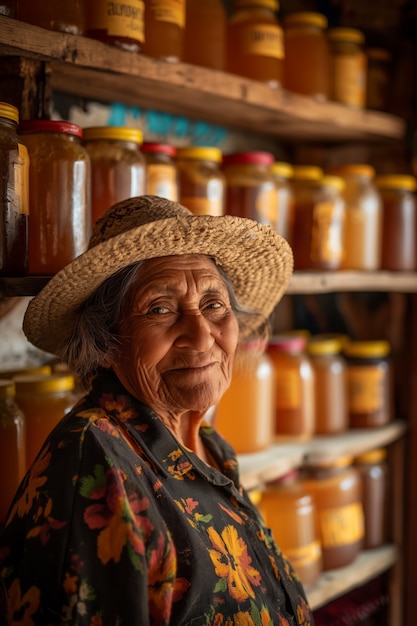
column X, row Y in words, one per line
column 367, row 349
column 372, row 456
column 159, row 148
column 9, row 111
column 280, row 168
column 354, row 169
column 324, row 346
column 42, row 370
column 269, row 4
column 7, row 389
column 50, row 126
column 255, row 158
column 200, row 153
column 306, row 18
column 121, row 133
column 336, row 182
column 307, row 172
column 396, row 181
column 287, row 343
column 349, row 35
column 44, row 384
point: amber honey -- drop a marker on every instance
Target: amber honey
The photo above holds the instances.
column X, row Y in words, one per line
column 120, row 25
column 161, row 170
column 164, row 29
column 284, row 222
column 205, row 33
column 347, row 66
column 66, row 16
column 306, row 184
column 200, row 179
column 375, row 476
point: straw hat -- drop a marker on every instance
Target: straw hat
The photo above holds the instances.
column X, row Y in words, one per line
column 258, row 261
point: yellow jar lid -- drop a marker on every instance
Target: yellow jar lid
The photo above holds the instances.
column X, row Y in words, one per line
column 396, row 181
column 255, row 496
column 44, row 384
column 307, row 172
column 333, row 181
column 9, row 111
column 354, row 169
column 372, row 456
column 269, row 4
column 280, row 168
column 41, row 370
column 7, row 389
column 324, row 346
column 371, row 349
column 349, row 35
column 306, row 18
column 120, row 133
column 200, row 153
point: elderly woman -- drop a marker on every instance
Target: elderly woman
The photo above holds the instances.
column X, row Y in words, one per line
column 132, row 513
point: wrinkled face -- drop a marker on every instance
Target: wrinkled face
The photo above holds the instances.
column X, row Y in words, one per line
column 178, row 336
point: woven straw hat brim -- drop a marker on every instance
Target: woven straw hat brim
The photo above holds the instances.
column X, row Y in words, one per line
column 258, row 261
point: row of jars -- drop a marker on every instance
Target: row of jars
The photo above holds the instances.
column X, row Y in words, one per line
column 32, row 402
column 323, row 515
column 300, row 387
column 303, row 54
column 348, row 220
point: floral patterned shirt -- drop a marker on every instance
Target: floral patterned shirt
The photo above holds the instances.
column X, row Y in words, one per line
column 118, row 524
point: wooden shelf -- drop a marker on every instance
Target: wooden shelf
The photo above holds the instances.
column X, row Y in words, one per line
column 91, row 69
column 262, row 467
column 368, row 565
column 325, row 282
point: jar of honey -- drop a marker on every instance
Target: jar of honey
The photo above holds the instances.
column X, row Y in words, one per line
column 120, row 26
column 291, row 514
column 282, row 173
column 330, row 385
column 60, row 220
column 255, row 42
column 375, row 477
column 36, row 370
column 250, row 186
column 44, row 401
column 161, row 170
column 294, row 387
column 307, row 54
column 327, row 225
column 362, row 234
column 370, row 384
column 378, row 78
column 164, row 29
column 67, row 17
column 205, row 33
column 347, row 66
column 337, row 491
column 200, row 179
column 118, row 167
column 14, row 196
column 399, row 222
column 245, row 413
column 306, row 181
column 12, row 446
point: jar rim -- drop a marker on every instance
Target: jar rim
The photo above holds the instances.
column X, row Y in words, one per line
column 9, row 111
column 121, row 133
column 200, row 153
column 51, row 126
column 255, row 158
column 164, row 148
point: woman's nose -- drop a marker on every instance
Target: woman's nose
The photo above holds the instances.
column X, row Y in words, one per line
column 194, row 332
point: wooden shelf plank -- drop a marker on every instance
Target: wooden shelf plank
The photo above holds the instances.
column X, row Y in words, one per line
column 335, row 583
column 325, row 282
column 94, row 70
column 262, row 467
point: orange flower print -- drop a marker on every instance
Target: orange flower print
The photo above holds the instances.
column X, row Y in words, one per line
column 35, row 481
column 22, row 607
column 232, row 563
column 96, row 620
column 118, row 405
column 161, row 580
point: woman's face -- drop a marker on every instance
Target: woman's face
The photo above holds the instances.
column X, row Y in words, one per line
column 178, row 336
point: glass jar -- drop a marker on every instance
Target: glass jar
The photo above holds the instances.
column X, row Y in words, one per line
column 161, row 170
column 362, row 235
column 44, row 401
column 284, row 223
column 14, row 196
column 200, row 179
column 337, row 491
column 330, row 385
column 370, row 385
column 245, row 413
column 118, row 167
column 347, row 66
column 399, row 222
column 12, row 446
column 164, row 29
column 305, row 182
column 375, row 477
column 307, row 55
column 328, row 221
column 255, row 42
column 67, row 17
column 250, row 186
column 294, row 387
column 123, row 27
column 39, row 370
column 205, row 33
column 378, row 78
column 60, row 220
column 291, row 514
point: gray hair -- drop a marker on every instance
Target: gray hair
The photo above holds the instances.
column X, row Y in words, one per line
column 94, row 339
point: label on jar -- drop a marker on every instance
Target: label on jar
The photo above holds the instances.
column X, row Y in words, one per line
column 341, row 525
column 304, row 555
column 203, row 206
column 162, row 181
column 266, row 206
column 288, row 392
column 119, row 19
column 21, row 180
column 169, row 11
column 366, row 389
column 349, row 79
column 264, row 40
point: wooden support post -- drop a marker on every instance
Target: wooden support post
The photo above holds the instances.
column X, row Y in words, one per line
column 25, row 83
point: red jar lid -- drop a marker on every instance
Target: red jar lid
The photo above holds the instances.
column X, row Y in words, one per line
column 50, row 126
column 287, row 343
column 257, row 158
column 163, row 148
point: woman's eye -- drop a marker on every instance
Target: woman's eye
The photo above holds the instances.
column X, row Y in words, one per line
column 214, row 305
column 158, row 310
